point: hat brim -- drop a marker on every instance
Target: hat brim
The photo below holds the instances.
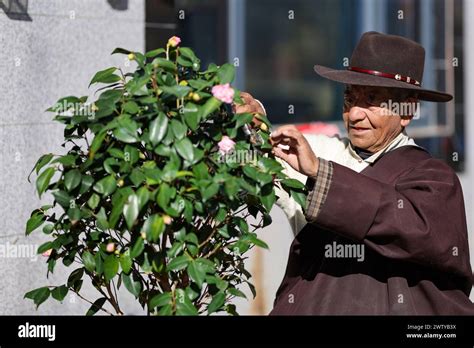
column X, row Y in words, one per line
column 361, row 79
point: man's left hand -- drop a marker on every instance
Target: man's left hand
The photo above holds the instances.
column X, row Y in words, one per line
column 291, row 146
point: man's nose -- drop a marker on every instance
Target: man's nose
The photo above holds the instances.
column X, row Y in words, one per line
column 356, row 114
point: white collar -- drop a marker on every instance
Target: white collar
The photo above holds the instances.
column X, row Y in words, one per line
column 400, row 140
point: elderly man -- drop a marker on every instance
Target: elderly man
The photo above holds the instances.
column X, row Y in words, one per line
column 384, row 229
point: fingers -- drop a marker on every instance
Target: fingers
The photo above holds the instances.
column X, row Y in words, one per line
column 286, row 133
column 281, row 153
column 248, row 99
column 240, row 109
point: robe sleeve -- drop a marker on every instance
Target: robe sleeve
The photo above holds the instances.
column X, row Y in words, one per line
column 420, row 219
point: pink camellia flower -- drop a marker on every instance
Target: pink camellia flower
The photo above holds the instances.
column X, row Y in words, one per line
column 226, row 145
column 224, row 93
column 174, row 41
column 47, row 253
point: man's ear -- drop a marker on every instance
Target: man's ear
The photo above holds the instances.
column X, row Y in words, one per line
column 406, row 119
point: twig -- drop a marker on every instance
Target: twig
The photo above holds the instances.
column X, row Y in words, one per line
column 102, row 309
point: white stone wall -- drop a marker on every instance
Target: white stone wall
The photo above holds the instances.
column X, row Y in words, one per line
column 50, row 52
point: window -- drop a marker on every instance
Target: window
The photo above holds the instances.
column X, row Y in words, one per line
column 277, row 42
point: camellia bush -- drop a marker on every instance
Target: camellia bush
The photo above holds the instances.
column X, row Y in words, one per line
column 156, row 186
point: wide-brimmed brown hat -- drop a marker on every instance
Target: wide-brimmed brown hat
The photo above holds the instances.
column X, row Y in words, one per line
column 386, row 61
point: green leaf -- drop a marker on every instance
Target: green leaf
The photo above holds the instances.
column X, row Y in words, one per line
column 38, row 295
column 177, row 90
column 197, row 272
column 153, row 227
column 63, row 198
column 126, row 135
column 164, row 63
column 143, row 197
column 163, row 197
column 42, row 161
column 158, row 128
column 217, row 302
column 96, row 306
column 137, row 86
column 72, row 179
column 120, row 50
column 111, row 267
column 236, row 292
column 184, row 62
column 183, row 305
column 191, row 115
column 43, row 180
column 97, row 143
column 131, row 107
column 160, row 300
column 137, row 248
column 299, row 197
column 185, row 149
column 154, row 53
column 126, row 261
column 130, row 210
column 89, row 261
column 105, row 76
column 210, row 191
column 106, row 186
column 67, row 160
column 59, row 292
column 132, row 284
column 211, row 105
column 166, row 310
column 179, row 129
column 35, row 221
column 44, row 247
column 178, row 263
column 251, row 172
column 226, row 73
column 293, row 183
column 75, row 279
column 93, row 201
column 268, row 200
column 101, row 218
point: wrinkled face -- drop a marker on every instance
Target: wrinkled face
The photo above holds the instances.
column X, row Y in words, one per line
column 369, row 116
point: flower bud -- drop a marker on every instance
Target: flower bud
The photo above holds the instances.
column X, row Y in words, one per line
column 120, row 183
column 183, row 83
column 174, row 41
column 196, row 97
column 167, row 219
column 131, row 56
column 110, row 247
column 264, row 127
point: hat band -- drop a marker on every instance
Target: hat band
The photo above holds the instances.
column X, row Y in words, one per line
column 397, row 77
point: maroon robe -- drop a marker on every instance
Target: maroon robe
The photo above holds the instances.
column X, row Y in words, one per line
column 407, row 210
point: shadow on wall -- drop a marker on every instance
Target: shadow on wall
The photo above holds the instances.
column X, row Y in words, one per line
column 119, row 5
column 16, row 9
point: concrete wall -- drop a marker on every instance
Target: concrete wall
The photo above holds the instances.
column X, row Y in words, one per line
column 48, row 51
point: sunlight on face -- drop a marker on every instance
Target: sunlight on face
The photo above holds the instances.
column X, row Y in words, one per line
column 370, row 126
